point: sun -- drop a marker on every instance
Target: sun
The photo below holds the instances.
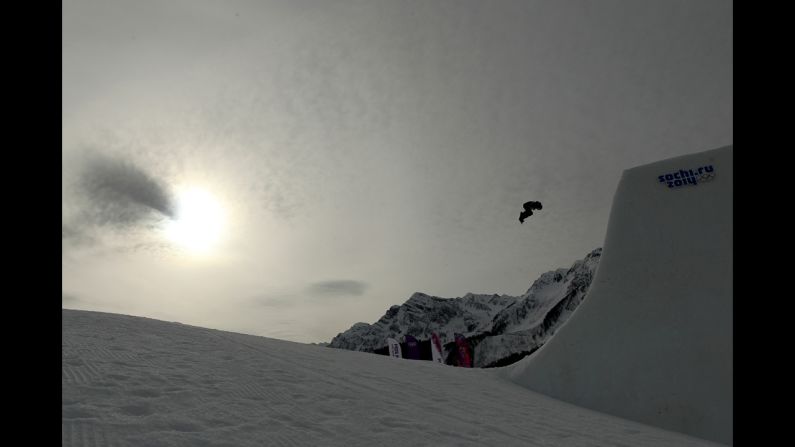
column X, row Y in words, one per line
column 199, row 221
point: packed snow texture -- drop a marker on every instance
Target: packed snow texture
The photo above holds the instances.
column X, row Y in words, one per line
column 498, row 326
column 653, row 340
column 131, row 381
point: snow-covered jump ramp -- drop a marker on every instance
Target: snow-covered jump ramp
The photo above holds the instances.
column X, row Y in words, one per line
column 652, row 341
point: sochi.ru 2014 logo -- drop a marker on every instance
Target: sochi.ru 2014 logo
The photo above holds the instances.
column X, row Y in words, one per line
column 688, row 177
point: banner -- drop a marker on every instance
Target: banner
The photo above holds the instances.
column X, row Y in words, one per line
column 412, row 348
column 464, row 356
column 394, row 348
column 436, row 348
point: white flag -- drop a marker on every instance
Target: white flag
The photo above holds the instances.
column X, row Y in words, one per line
column 436, row 348
column 394, row 348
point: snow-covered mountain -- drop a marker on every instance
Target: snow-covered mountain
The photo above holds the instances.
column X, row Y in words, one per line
column 500, row 328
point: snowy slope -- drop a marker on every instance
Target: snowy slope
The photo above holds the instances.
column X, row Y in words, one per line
column 653, row 340
column 130, row 381
column 500, row 328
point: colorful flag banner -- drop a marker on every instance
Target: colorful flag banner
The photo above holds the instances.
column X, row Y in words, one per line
column 412, row 348
column 464, row 352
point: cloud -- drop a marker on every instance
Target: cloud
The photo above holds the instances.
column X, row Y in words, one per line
column 122, row 194
column 342, row 287
column 68, row 299
column 277, row 302
column 73, row 237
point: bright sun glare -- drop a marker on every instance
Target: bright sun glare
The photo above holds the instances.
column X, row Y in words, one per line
column 199, row 222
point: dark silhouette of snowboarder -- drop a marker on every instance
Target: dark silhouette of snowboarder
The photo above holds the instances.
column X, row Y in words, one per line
column 528, row 210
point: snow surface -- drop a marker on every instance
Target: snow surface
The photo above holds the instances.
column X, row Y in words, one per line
column 132, row 381
column 653, row 340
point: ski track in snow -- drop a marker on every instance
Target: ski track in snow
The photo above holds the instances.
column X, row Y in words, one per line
column 130, row 381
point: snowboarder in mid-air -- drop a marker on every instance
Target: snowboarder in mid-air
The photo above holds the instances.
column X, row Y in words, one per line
column 528, row 210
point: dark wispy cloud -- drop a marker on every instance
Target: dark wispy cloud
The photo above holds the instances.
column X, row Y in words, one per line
column 73, row 237
column 121, row 193
column 340, row 287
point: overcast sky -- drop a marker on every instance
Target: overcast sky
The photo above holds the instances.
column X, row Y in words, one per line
column 340, row 155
